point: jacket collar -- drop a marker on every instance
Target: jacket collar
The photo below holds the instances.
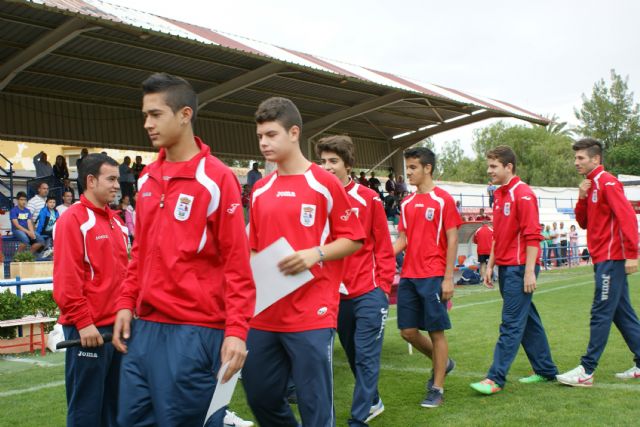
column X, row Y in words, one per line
column 512, row 183
column 350, row 185
column 189, row 168
column 106, row 212
column 595, row 172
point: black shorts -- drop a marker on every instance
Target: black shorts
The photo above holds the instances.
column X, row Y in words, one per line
column 483, row 259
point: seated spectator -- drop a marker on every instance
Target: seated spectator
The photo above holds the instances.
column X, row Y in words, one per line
column 401, row 186
column 37, row 202
column 46, row 221
column 391, row 209
column 482, row 216
column 22, row 227
column 60, row 169
column 66, row 186
column 43, row 167
column 67, row 201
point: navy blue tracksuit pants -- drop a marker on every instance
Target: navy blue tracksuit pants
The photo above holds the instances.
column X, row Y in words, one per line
column 361, row 323
column 168, row 375
column 91, row 381
column 521, row 324
column 274, row 358
column 611, row 303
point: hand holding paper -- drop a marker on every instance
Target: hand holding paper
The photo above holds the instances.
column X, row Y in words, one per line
column 223, row 392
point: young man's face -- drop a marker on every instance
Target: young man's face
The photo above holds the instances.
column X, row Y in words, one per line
column 105, row 186
column 416, row 173
column 585, row 164
column 43, row 190
column 163, row 126
column 275, row 142
column 51, row 204
column 333, row 163
column 67, row 198
column 22, row 202
column 498, row 172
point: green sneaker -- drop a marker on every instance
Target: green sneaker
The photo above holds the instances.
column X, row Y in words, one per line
column 533, row 379
column 486, row 386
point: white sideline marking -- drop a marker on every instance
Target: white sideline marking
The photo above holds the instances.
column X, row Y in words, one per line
column 479, row 375
column 31, row 389
column 31, row 361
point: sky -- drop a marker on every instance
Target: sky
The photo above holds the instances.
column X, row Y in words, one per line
column 540, row 55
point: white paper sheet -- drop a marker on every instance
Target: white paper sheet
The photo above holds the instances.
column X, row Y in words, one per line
column 271, row 284
column 223, row 392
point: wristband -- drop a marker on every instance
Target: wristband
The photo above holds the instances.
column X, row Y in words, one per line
column 320, row 252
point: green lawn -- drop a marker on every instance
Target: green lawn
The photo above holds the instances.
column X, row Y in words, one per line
column 33, row 395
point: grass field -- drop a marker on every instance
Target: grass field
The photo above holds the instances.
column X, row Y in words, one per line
column 32, row 389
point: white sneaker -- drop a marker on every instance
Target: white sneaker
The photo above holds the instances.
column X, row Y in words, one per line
column 576, row 378
column 629, row 374
column 231, row 419
column 375, row 410
column 47, row 252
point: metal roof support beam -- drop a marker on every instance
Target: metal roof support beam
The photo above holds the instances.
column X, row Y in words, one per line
column 40, row 48
column 316, row 127
column 245, row 80
column 408, row 140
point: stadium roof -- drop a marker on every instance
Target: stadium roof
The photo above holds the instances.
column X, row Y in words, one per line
column 70, row 74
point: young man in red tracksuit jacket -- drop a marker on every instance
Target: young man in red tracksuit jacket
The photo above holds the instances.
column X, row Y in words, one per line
column 189, row 281
column 366, row 282
column 88, row 269
column 483, row 238
column 612, row 237
column 516, row 252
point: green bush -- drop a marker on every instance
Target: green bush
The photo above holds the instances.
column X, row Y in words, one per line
column 24, row 256
column 10, row 308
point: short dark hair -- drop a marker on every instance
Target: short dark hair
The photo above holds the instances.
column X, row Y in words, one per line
column 424, row 154
column 281, row 110
column 91, row 165
column 591, row 145
column 67, row 191
column 342, row 145
column 504, row 154
column 178, row 93
column 42, row 183
column 20, row 195
column 51, row 198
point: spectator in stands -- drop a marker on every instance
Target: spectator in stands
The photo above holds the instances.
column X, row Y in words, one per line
column 390, row 186
column 545, row 245
column 67, row 201
column 43, row 167
column 458, row 206
column 563, row 243
column 363, row 179
column 83, row 154
column 137, row 168
column 46, row 221
column 483, row 238
column 22, row 227
column 391, row 209
column 353, row 176
column 374, row 183
column 482, row 217
column 66, row 186
column 555, row 246
column 37, row 202
column 254, row 175
column 60, row 169
column 126, row 177
column 573, row 246
column 401, row 186
column 130, row 217
column 490, row 191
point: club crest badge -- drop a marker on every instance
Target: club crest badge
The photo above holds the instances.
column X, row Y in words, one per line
column 183, row 207
column 594, row 196
column 430, row 213
column 307, row 215
column 507, row 209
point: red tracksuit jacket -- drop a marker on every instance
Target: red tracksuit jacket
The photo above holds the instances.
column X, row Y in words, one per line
column 373, row 265
column 609, row 218
column 483, row 237
column 516, row 223
column 89, row 265
column 190, row 257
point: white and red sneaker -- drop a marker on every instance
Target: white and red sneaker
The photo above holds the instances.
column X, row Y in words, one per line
column 576, row 378
column 629, row 374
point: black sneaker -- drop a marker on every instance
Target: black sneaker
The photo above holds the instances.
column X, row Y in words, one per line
column 451, row 365
column 433, row 399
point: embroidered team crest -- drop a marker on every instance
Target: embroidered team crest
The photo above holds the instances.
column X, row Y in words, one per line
column 507, row 209
column 356, row 211
column 594, row 196
column 430, row 214
column 183, row 207
column 307, row 215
